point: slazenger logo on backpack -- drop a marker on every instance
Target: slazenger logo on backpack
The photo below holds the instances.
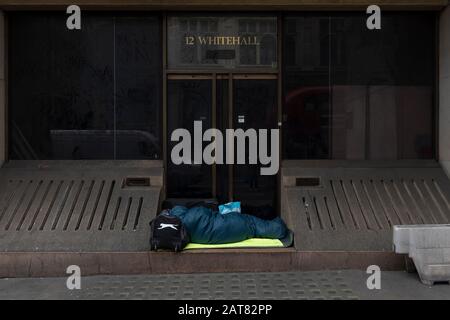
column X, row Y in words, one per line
column 168, row 233
column 167, row 225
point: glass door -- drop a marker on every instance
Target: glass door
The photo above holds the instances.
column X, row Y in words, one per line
column 189, row 100
column 222, row 101
column 254, row 107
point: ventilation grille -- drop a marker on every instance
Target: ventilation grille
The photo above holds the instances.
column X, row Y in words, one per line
column 373, row 204
column 69, row 205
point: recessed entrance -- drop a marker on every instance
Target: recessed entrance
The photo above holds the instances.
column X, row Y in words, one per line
column 221, row 101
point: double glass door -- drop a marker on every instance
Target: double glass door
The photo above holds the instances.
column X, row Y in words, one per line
column 221, row 101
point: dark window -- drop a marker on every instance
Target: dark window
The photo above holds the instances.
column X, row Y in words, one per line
column 138, row 85
column 88, row 94
column 353, row 93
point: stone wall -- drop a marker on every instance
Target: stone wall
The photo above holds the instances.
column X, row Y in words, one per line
column 444, row 90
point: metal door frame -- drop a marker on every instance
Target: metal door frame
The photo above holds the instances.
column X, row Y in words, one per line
column 214, row 76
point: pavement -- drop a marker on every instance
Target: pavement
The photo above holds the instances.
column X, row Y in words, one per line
column 341, row 285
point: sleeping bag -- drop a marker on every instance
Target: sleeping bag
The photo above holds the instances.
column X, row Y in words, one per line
column 207, row 226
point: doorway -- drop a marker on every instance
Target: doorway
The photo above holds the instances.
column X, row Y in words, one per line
column 221, row 101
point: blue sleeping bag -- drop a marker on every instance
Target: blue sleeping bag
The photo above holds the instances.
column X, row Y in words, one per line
column 206, row 226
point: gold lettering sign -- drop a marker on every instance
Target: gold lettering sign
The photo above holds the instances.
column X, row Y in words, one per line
column 222, row 40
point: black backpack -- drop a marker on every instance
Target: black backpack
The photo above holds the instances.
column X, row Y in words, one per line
column 168, row 232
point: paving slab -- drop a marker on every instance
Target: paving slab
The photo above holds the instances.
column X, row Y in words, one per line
column 328, row 285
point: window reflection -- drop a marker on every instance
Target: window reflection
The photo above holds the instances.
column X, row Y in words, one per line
column 351, row 93
column 88, row 94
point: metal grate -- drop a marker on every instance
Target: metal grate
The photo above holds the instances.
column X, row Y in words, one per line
column 374, row 204
column 68, row 205
column 364, row 204
column 72, row 207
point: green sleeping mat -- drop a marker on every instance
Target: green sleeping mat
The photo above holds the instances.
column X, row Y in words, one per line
column 249, row 243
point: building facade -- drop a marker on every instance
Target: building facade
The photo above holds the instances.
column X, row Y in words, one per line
column 363, row 114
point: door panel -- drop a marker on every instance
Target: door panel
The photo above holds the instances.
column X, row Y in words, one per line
column 188, row 101
column 222, row 123
column 254, row 106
